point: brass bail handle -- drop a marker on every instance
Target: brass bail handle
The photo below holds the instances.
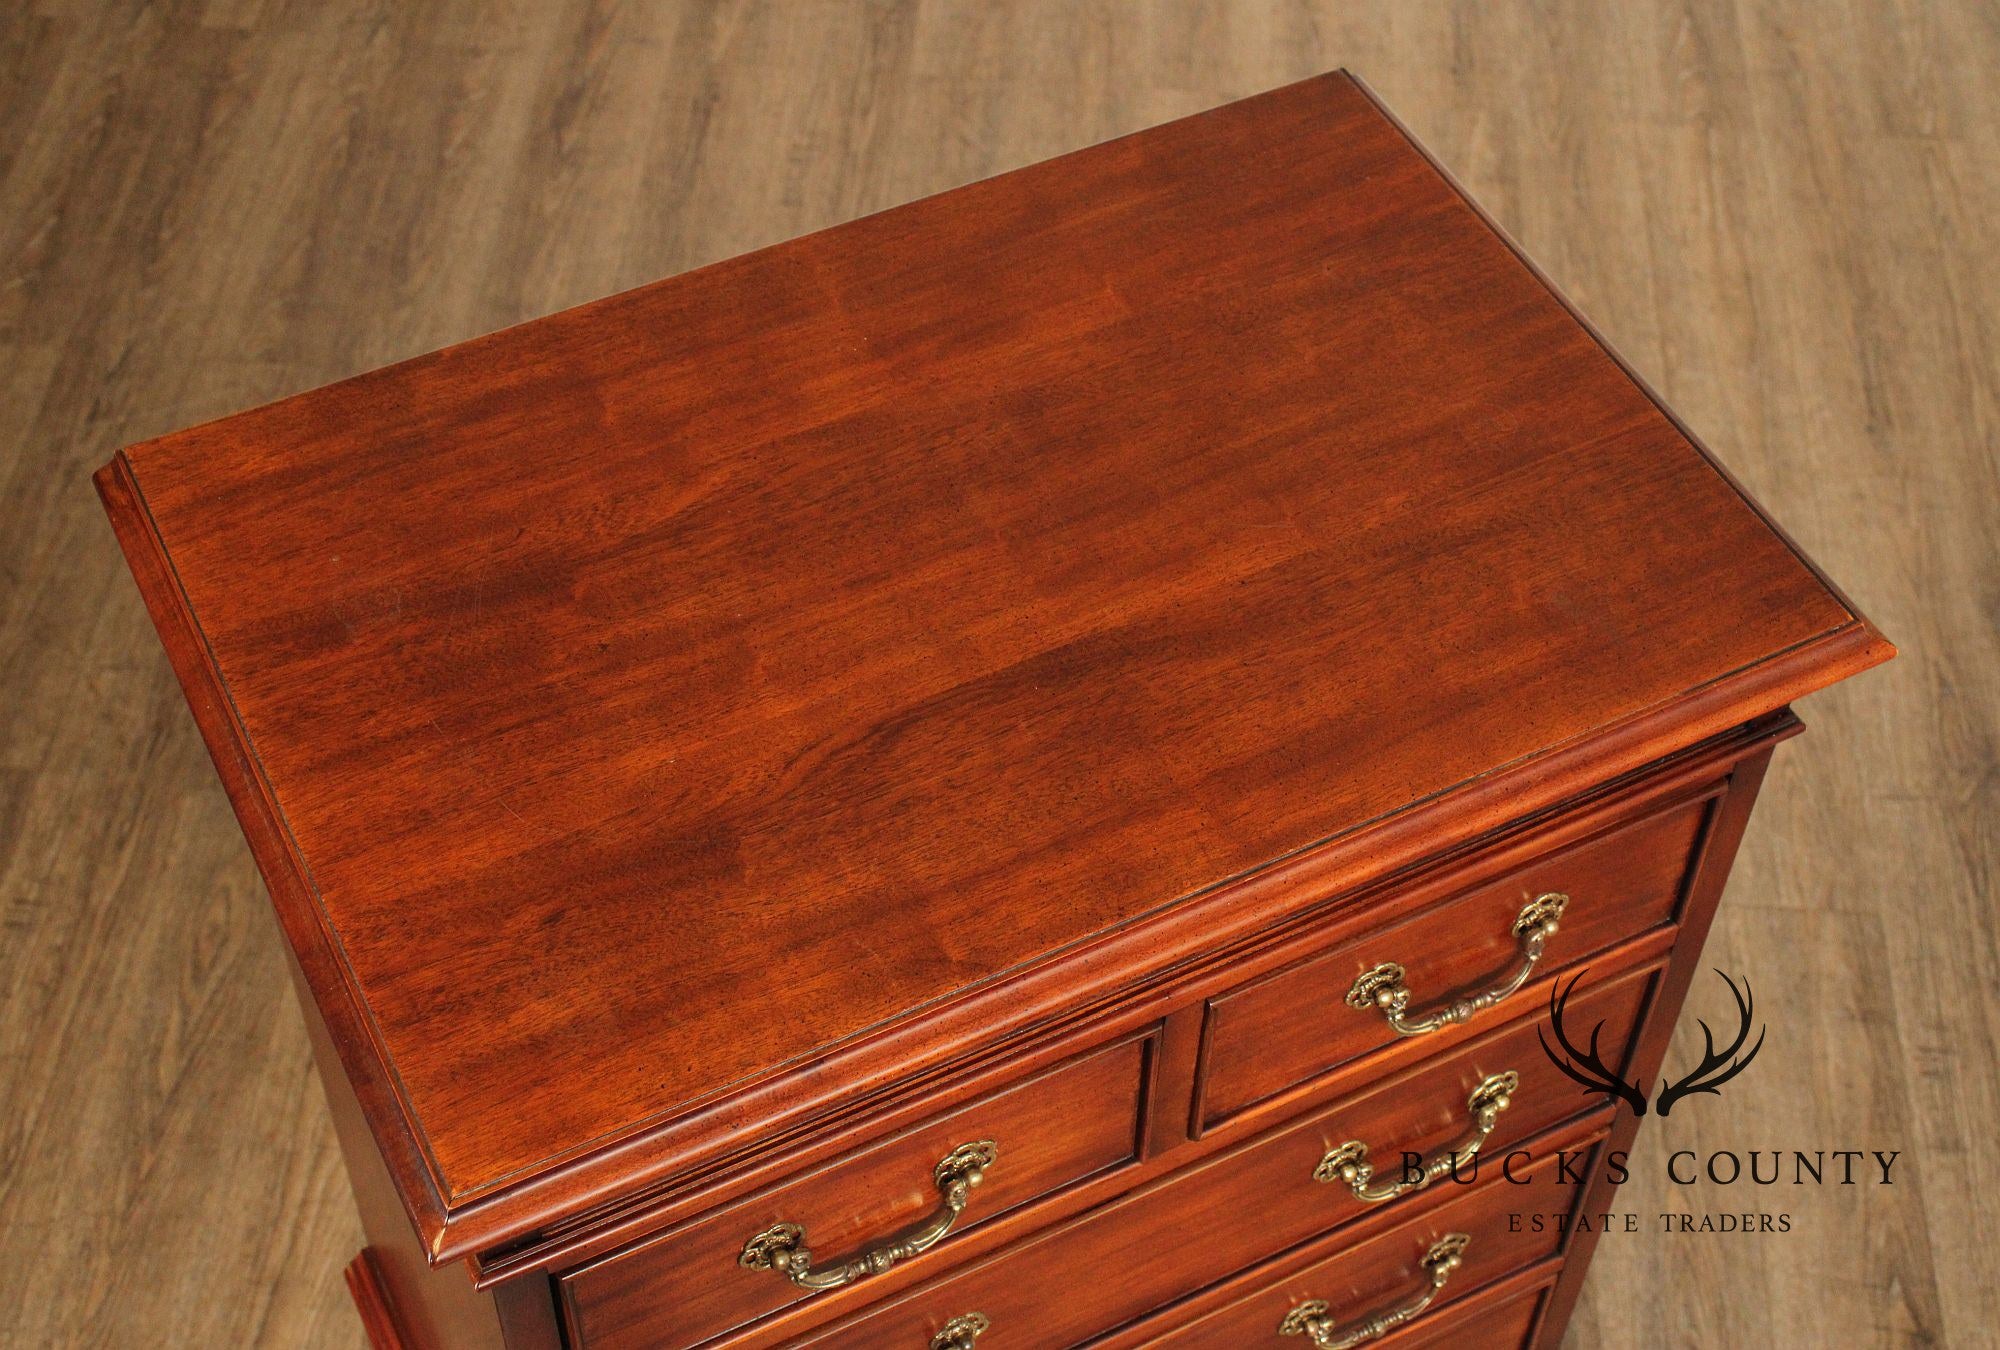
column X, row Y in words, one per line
column 1382, row 988
column 782, row 1246
column 1312, row 1317
column 1348, row 1164
column 961, row 1333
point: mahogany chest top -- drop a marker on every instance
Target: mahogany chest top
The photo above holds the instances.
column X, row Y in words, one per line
column 684, row 711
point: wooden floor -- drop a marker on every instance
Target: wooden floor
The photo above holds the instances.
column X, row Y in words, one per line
column 1786, row 217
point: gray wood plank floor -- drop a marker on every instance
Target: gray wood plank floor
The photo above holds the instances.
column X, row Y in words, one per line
column 1785, row 215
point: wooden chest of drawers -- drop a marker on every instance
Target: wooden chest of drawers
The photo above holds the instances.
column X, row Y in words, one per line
column 979, row 778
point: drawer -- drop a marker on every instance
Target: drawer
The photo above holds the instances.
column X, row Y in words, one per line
column 687, row 1285
column 1499, row 1319
column 1488, row 1229
column 1398, row 1133
column 1144, row 1251
column 1297, row 1023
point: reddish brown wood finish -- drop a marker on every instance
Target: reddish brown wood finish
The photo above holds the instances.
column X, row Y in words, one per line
column 1718, row 854
column 1498, row 1317
column 378, row 1323
column 1124, row 1262
column 674, row 695
column 1696, row 776
column 1412, row 1091
column 1379, row 1266
column 1423, row 1109
column 1398, row 1099
column 1075, row 1122
column 405, row 1303
column 1295, row 1023
column 646, row 1297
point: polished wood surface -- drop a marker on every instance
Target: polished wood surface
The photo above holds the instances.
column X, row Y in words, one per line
column 1118, row 1265
column 1498, row 1318
column 1423, row 1110
column 648, row 699
column 1796, row 261
column 1122, row 1262
column 378, row 1322
column 1603, row 1191
column 1295, row 1023
column 1075, row 1122
column 642, row 1297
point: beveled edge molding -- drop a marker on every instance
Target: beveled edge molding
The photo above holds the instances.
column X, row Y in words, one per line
column 978, row 1023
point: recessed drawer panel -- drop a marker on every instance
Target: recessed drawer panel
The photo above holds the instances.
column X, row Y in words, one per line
column 1144, row 1251
column 689, row 1285
column 1419, row 1272
column 1446, row 963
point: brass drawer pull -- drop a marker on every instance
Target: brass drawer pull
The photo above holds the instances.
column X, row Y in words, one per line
column 1310, row 1318
column 1349, row 1162
column 960, row 1333
column 782, row 1246
column 1383, row 986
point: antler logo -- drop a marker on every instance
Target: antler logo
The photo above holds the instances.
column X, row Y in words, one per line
column 1587, row 1067
column 1716, row 1069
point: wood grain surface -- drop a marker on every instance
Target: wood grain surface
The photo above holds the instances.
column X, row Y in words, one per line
column 1782, row 215
column 1267, row 1035
column 639, row 702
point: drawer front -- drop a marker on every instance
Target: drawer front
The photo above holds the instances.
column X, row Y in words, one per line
column 1500, row 1317
column 1142, row 1252
column 1399, row 1134
column 1491, row 1231
column 1296, row 1024
column 687, row 1286
column 1499, row 1320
